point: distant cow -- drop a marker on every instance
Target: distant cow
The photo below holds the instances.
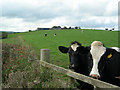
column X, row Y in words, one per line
column 106, row 63
column 82, row 30
column 45, row 34
column 54, row 34
column 78, row 60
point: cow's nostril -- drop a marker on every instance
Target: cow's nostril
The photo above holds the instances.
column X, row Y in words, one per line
column 95, row 76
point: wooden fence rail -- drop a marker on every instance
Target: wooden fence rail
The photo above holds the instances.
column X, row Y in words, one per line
column 45, row 58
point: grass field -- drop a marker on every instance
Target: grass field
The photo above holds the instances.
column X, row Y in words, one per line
column 37, row 41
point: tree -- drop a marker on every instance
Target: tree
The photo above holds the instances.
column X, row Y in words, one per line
column 38, row 28
column 106, row 28
column 59, row 27
column 76, row 27
column 56, row 27
column 113, row 28
column 30, row 30
column 64, row 27
column 70, row 28
column 4, row 35
column 79, row 27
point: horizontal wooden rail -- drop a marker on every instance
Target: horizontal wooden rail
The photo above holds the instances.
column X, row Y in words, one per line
column 78, row 76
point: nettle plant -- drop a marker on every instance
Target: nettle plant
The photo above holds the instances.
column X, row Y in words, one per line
column 15, row 57
column 21, row 68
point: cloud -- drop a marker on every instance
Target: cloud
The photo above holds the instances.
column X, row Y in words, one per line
column 34, row 11
column 30, row 14
column 112, row 8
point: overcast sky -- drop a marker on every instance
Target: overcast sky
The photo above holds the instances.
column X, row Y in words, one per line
column 24, row 15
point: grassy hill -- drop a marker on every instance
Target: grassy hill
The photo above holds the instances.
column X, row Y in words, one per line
column 37, row 41
column 21, row 53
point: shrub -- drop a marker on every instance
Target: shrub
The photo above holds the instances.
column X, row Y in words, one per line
column 14, row 58
column 20, row 69
column 4, row 35
column 30, row 30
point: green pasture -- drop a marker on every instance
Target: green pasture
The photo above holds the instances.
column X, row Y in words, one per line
column 37, row 41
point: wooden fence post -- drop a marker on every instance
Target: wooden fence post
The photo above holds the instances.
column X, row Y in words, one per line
column 72, row 80
column 45, row 55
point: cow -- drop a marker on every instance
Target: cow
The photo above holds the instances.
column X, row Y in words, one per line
column 54, row 34
column 78, row 61
column 45, row 34
column 105, row 63
column 82, row 30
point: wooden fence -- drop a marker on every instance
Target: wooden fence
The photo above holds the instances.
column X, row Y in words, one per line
column 45, row 61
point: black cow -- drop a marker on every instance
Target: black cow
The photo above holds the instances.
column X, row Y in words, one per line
column 106, row 63
column 78, row 60
column 45, row 34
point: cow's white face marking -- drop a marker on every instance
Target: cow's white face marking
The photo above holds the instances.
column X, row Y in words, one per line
column 74, row 46
column 116, row 48
column 97, row 50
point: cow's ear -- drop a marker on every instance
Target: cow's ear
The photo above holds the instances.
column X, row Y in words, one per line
column 63, row 49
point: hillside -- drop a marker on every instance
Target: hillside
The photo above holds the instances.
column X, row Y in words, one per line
column 21, row 54
column 37, row 41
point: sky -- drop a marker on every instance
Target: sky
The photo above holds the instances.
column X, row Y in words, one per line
column 24, row 15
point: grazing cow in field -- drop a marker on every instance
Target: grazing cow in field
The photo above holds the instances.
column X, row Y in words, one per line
column 106, row 63
column 78, row 60
column 82, row 30
column 55, row 34
column 45, row 34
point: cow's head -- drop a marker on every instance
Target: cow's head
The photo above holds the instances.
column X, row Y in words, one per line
column 97, row 50
column 75, row 51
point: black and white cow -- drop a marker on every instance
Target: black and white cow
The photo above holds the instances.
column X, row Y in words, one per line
column 106, row 63
column 54, row 34
column 78, row 60
column 45, row 34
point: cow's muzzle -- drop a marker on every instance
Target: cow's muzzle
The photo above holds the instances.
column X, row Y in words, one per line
column 71, row 66
column 95, row 76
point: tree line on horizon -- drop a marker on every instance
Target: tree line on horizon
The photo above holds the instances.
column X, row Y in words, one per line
column 65, row 27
